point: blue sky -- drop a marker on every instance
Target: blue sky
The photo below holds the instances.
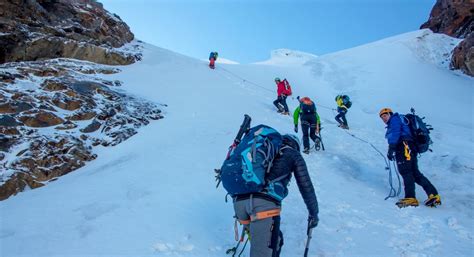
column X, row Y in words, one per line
column 247, row 30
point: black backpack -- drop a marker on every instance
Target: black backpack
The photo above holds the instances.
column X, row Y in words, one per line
column 419, row 130
column 307, row 106
column 347, row 101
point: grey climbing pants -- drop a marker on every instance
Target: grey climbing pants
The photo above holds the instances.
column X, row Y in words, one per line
column 262, row 219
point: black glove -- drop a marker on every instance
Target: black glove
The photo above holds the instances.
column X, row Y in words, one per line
column 312, row 221
column 296, row 128
column 391, row 153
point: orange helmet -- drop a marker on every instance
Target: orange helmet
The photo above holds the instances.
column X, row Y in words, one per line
column 385, row 110
column 306, row 100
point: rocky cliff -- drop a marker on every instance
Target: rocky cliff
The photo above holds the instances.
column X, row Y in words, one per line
column 456, row 18
column 53, row 113
column 57, row 102
column 33, row 30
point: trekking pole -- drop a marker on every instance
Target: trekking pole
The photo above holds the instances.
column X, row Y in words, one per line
column 321, row 139
column 308, row 240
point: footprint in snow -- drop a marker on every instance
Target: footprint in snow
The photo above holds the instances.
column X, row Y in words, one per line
column 180, row 247
column 454, row 225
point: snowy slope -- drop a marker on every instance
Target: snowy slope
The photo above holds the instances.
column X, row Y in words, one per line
column 287, row 57
column 154, row 195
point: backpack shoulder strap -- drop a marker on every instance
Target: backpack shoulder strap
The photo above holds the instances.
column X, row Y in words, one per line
column 283, row 148
column 277, row 179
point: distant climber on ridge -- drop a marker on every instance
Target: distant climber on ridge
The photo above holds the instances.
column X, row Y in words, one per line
column 212, row 59
column 283, row 91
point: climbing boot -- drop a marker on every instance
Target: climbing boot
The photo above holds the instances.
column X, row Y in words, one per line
column 306, row 151
column 433, row 200
column 405, row 202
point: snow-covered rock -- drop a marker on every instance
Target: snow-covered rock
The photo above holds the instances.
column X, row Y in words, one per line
column 52, row 114
column 80, row 29
column 456, row 19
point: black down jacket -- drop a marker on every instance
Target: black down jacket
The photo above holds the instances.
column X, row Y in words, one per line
column 290, row 161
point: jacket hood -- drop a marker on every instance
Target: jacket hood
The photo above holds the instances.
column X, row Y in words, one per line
column 291, row 142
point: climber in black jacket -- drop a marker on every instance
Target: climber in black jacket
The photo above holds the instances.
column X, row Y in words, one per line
column 260, row 212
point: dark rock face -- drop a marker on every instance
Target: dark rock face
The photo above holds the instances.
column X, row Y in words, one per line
column 456, row 18
column 94, row 126
column 45, row 29
column 51, row 119
column 463, row 56
column 452, row 17
column 41, row 119
column 8, row 121
column 44, row 160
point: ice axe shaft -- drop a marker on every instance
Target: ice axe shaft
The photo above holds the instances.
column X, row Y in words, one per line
column 308, row 240
column 244, row 128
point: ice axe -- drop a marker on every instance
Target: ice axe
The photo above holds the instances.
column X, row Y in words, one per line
column 244, row 128
column 308, row 240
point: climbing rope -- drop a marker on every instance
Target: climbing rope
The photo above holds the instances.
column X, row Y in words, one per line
column 393, row 192
column 326, row 107
column 245, row 80
column 265, row 88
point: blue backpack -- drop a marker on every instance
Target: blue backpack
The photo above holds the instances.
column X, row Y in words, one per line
column 213, row 55
column 244, row 171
